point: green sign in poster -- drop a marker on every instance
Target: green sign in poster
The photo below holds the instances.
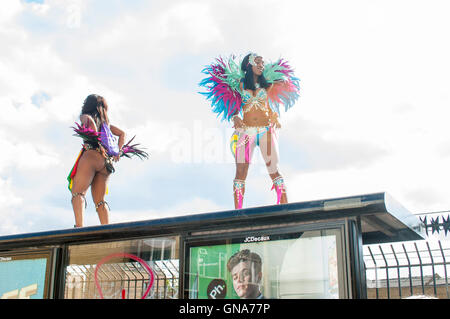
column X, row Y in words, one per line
column 208, row 264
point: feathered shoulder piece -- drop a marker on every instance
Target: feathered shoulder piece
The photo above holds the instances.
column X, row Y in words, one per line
column 285, row 87
column 223, row 90
column 222, row 86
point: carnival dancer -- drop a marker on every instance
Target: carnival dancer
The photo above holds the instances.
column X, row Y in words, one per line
column 250, row 94
column 103, row 144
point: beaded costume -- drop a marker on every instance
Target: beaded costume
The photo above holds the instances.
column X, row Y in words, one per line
column 228, row 100
column 104, row 143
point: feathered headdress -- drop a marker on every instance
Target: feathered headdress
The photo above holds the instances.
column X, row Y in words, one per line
column 224, row 77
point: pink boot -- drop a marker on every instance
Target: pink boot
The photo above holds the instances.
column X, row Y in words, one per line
column 238, row 189
column 280, row 188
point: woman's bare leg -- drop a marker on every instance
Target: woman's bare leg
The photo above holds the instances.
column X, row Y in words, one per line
column 269, row 151
column 239, row 184
column 244, row 151
column 81, row 181
column 98, row 190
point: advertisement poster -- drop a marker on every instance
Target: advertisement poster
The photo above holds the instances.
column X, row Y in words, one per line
column 304, row 265
column 22, row 278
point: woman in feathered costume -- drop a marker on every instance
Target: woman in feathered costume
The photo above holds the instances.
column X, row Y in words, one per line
column 250, row 95
column 103, row 144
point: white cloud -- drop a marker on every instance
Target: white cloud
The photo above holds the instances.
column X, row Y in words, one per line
column 7, row 198
column 190, row 23
column 9, row 10
column 9, row 202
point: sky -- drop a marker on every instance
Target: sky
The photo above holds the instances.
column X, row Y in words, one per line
column 372, row 116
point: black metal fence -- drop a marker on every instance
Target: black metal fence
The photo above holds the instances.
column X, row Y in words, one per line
column 127, row 280
column 402, row 270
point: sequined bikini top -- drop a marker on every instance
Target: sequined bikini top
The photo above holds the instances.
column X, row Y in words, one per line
column 258, row 101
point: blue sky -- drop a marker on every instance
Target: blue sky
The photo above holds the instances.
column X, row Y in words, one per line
column 372, row 116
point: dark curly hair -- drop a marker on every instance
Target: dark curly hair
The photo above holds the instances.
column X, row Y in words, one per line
column 248, row 80
column 96, row 106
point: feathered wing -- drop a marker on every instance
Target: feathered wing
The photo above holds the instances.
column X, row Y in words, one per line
column 285, row 87
column 86, row 133
column 128, row 150
column 222, row 87
column 133, row 150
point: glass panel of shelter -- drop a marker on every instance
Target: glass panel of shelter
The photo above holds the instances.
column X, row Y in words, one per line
column 307, row 264
column 25, row 274
column 130, row 269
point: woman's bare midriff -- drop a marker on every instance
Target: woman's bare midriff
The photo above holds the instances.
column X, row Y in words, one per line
column 256, row 117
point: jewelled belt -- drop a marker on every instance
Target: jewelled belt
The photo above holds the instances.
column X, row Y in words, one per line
column 88, row 147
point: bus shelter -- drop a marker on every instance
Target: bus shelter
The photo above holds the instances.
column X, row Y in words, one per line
column 311, row 249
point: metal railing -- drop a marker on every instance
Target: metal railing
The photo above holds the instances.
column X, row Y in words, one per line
column 127, row 280
column 401, row 270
